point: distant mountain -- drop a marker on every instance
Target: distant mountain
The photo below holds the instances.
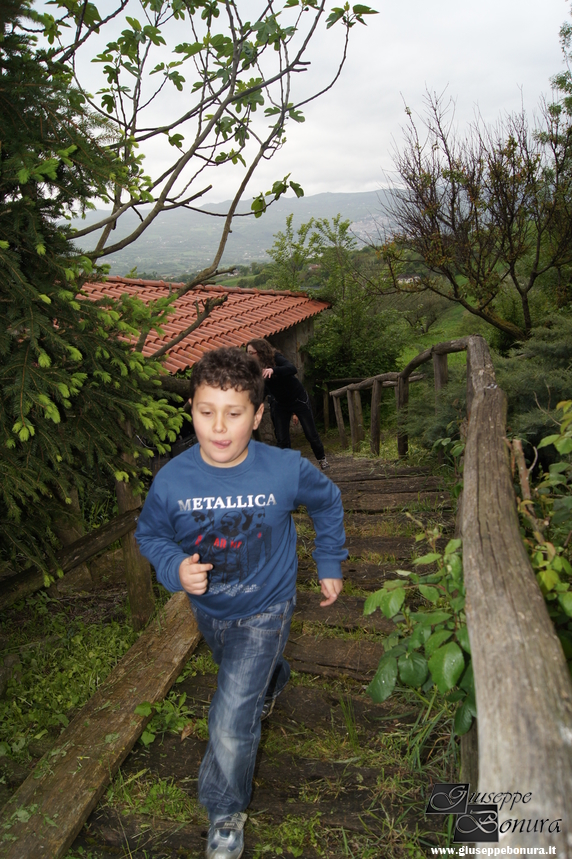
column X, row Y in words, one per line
column 183, row 241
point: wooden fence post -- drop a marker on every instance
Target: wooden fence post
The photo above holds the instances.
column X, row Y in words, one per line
column 441, row 374
column 375, row 423
column 440, row 371
column 326, row 402
column 359, row 416
column 137, row 568
column 340, row 421
column 353, row 421
column 402, row 400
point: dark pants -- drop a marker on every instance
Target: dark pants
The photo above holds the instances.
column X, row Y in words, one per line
column 281, row 417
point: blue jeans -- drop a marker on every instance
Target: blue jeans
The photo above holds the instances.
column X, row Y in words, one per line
column 251, row 667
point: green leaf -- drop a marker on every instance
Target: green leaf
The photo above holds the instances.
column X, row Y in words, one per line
column 147, row 738
column 144, row 709
column 547, row 579
column 384, row 681
column 549, row 439
column 565, row 601
column 452, row 546
column 462, row 635
column 431, row 594
column 428, row 559
column 563, row 445
column 392, row 601
column 372, row 602
column 413, row 669
column 463, row 719
column 446, row 666
column 437, row 639
column 418, row 637
column 431, row 618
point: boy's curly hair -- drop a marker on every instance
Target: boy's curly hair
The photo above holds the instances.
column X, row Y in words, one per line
column 229, row 368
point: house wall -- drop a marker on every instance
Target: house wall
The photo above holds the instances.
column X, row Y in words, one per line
column 290, row 342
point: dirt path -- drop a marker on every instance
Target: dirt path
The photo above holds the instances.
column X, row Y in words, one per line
column 331, row 777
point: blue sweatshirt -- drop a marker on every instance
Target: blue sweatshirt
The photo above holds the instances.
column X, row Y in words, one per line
column 238, row 519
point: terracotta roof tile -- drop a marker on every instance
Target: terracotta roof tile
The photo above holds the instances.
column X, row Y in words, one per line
column 247, row 313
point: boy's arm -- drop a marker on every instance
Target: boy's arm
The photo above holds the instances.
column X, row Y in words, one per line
column 323, row 501
column 155, row 536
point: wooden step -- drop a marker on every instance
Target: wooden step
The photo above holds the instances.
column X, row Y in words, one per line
column 374, row 502
column 345, row 613
column 333, row 657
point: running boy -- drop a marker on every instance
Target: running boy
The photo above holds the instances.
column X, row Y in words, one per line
column 238, row 565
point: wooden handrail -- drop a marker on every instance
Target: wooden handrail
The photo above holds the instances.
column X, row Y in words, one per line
column 19, row 585
column 523, row 687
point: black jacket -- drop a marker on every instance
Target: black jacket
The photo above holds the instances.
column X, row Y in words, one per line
column 283, row 384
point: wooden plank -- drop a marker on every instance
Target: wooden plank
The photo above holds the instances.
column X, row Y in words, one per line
column 402, row 400
column 369, row 577
column 353, row 421
column 333, row 657
column 340, row 421
column 391, row 485
column 345, row 613
column 96, row 541
column 524, row 692
column 377, row 502
column 375, row 422
column 48, row 810
column 137, row 568
column 18, row 585
column 359, row 416
column 326, row 410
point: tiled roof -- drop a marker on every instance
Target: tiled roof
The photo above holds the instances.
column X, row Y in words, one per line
column 247, row 313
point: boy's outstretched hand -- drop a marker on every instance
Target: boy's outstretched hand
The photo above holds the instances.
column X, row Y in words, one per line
column 193, row 575
column 330, row 589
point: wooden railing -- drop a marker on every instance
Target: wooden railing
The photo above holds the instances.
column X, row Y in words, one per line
column 19, row 585
column 523, row 686
column 352, row 392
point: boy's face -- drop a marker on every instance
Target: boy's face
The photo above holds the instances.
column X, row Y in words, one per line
column 223, row 422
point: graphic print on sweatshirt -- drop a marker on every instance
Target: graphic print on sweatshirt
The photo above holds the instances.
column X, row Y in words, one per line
column 235, row 539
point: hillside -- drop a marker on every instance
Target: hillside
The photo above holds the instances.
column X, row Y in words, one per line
column 183, row 241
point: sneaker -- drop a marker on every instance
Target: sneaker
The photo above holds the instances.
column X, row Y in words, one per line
column 267, row 708
column 226, row 837
column 324, row 463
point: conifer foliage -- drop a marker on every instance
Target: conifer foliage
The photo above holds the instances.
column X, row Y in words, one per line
column 71, row 386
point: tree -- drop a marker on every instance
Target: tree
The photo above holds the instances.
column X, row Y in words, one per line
column 356, row 337
column 290, row 256
column 482, row 216
column 70, row 381
column 228, row 70
column 76, row 388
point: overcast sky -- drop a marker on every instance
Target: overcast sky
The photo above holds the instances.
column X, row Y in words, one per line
column 492, row 55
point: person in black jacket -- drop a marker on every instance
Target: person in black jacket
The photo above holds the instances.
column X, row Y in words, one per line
column 287, row 397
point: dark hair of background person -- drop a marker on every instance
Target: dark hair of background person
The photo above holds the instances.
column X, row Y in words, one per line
column 264, row 350
column 229, row 368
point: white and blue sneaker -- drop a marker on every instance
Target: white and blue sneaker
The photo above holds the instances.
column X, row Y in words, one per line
column 226, row 837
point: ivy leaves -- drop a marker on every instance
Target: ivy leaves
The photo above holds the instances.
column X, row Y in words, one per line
column 430, row 647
